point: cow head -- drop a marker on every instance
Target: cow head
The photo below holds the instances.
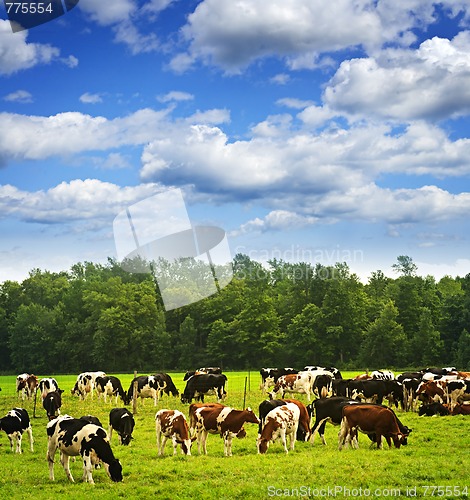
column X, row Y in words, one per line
column 114, row 470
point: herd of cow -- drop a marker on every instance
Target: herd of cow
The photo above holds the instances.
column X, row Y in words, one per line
column 354, row 404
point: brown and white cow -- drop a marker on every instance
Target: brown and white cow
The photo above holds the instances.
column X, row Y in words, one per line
column 301, row 383
column 172, row 424
column 26, row 385
column 279, row 423
column 370, row 419
column 221, row 420
column 429, row 391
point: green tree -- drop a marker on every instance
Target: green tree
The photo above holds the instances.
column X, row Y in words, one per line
column 384, row 343
column 405, row 266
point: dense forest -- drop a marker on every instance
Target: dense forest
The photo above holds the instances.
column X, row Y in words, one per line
column 101, row 317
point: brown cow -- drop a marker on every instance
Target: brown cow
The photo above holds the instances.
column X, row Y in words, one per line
column 221, row 420
column 171, row 424
column 302, row 383
column 461, row 409
column 370, row 419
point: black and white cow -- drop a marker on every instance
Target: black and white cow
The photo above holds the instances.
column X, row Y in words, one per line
column 433, row 409
column 169, row 386
column 122, row 421
column 47, row 385
column 52, row 403
column 86, row 382
column 328, row 410
column 14, row 423
column 73, row 437
column 336, row 374
column 148, row 386
column 199, row 385
column 110, row 386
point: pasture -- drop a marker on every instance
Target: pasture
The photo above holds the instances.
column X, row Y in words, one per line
column 438, row 455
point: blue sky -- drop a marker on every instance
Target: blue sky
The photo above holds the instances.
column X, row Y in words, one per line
column 310, row 134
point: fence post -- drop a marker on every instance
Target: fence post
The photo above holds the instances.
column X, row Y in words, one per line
column 134, row 394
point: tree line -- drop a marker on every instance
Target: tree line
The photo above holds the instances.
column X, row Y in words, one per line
column 98, row 316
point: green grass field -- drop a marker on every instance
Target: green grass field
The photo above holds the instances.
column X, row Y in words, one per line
column 436, row 461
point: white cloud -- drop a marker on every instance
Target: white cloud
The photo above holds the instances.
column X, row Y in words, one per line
column 16, row 54
column 432, row 82
column 78, row 200
column 231, row 35
column 39, row 137
column 277, row 220
column 280, row 79
column 175, row 95
column 88, row 98
column 21, row 96
column 108, row 13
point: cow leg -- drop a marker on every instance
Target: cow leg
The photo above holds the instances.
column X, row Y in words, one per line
column 18, row 441
column 51, row 449
column 320, row 428
column 284, row 440
column 162, row 447
column 343, row 434
column 228, row 444
column 204, row 441
column 379, row 441
column 87, row 470
column 292, row 436
column 29, row 430
column 65, row 461
column 110, row 432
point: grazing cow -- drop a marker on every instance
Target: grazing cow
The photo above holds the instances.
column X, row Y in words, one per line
column 47, row 385
column 110, row 386
column 52, row 403
column 147, row 387
column 328, row 410
column 26, row 385
column 270, row 376
column 172, row 424
column 461, row 409
column 122, row 421
column 374, row 391
column 303, row 430
column 302, row 383
column 83, row 386
column 73, row 437
column 432, row 409
column 199, row 385
column 167, row 382
column 14, row 423
column 86, row 383
column 221, row 420
column 280, row 422
column 370, row 419
column 91, row 419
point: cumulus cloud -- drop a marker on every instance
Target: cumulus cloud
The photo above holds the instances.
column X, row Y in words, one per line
column 17, row 54
column 231, row 35
column 39, row 137
column 432, row 82
column 78, row 200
